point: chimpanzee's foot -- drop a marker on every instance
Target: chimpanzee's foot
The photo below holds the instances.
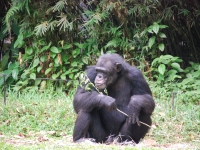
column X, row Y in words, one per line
column 118, row 140
column 110, row 139
column 131, row 143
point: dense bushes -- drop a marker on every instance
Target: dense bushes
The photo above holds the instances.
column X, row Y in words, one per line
column 57, row 39
column 184, row 83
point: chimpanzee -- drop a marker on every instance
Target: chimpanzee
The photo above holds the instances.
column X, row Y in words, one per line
column 98, row 116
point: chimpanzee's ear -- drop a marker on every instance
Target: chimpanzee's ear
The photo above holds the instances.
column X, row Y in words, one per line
column 118, row 67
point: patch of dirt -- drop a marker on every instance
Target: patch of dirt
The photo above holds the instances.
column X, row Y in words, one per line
column 51, row 138
column 171, row 146
column 36, row 138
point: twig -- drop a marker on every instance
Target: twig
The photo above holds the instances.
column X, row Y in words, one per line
column 122, row 112
column 127, row 116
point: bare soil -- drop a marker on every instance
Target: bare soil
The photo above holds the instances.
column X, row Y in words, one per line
column 50, row 138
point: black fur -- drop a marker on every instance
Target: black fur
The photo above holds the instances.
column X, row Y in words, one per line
column 129, row 92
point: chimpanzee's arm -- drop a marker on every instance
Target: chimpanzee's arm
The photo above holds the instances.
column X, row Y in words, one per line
column 88, row 100
column 141, row 100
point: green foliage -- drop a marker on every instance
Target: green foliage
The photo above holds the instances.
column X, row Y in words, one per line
column 53, row 64
column 46, row 55
column 10, row 13
column 190, row 84
column 18, row 5
column 58, row 39
column 166, row 68
column 11, row 74
column 157, row 35
column 150, row 41
column 168, row 73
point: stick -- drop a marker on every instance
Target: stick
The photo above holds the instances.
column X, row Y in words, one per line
column 127, row 116
column 122, row 112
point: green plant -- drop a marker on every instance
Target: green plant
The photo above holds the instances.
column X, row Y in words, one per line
column 147, row 43
column 166, row 68
column 36, row 55
column 190, row 84
column 65, row 36
column 155, row 40
column 168, row 73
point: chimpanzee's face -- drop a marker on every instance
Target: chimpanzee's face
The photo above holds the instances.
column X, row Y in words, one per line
column 101, row 79
column 106, row 73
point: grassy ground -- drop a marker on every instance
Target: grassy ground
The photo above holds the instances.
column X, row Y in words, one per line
column 44, row 120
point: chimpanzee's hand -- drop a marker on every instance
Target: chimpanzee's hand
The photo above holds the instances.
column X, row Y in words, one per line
column 108, row 102
column 133, row 116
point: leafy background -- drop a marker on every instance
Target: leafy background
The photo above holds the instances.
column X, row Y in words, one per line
column 57, row 39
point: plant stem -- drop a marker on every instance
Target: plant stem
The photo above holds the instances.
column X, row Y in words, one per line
column 127, row 116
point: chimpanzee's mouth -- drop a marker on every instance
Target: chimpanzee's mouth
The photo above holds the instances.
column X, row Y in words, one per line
column 100, row 86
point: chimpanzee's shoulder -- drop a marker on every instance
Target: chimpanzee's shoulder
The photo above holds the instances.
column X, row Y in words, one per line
column 133, row 71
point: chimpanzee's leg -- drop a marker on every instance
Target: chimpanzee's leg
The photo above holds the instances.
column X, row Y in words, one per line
column 96, row 129
column 82, row 123
column 133, row 131
column 88, row 125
